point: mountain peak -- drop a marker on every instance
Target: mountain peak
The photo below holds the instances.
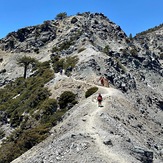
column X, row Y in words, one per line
column 93, row 27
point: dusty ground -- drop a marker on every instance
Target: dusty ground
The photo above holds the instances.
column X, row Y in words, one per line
column 89, row 133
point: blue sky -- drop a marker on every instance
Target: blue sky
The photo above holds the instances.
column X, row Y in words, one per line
column 132, row 16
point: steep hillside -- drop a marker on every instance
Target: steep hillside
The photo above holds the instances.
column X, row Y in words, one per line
column 71, row 36
column 114, row 132
column 152, row 40
column 86, row 47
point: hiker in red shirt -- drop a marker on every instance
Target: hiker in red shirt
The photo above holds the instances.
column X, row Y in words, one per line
column 101, row 80
column 99, row 99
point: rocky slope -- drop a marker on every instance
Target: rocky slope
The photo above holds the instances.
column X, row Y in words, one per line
column 152, row 40
column 112, row 133
column 128, row 128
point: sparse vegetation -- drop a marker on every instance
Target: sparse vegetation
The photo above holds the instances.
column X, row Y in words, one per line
column 134, row 52
column 130, row 36
column 149, row 30
column 2, row 134
column 70, row 62
column 106, row 49
column 21, row 141
column 26, row 103
column 64, row 63
column 67, row 43
column 64, row 46
column 47, row 110
column 61, row 16
column 90, row 91
column 81, row 49
column 121, row 66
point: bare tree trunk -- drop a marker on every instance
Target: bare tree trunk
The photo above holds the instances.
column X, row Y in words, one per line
column 25, row 71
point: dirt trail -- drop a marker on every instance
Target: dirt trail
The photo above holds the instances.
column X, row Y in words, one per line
column 85, row 119
column 93, row 122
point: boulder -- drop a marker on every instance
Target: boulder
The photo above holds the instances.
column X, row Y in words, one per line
column 74, row 20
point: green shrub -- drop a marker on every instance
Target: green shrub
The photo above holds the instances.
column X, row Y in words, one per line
column 44, row 71
column 134, row 52
column 9, row 152
column 63, row 46
column 90, row 91
column 67, row 99
column 70, row 62
column 106, row 49
column 58, row 65
column 2, row 134
column 48, row 108
column 31, row 137
column 61, row 16
column 15, row 119
column 64, row 63
column 51, row 120
column 21, row 141
column 31, row 92
column 120, row 65
column 54, row 49
column 81, row 49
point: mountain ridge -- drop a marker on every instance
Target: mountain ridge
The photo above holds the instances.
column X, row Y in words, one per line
column 129, row 125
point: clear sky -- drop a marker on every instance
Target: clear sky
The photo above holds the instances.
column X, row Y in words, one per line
column 133, row 16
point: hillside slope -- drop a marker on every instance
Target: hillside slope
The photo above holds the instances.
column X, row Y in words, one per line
column 152, row 40
column 94, row 134
column 128, row 128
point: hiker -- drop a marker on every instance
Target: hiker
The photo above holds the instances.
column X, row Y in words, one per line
column 99, row 99
column 61, row 71
column 101, row 80
column 104, row 81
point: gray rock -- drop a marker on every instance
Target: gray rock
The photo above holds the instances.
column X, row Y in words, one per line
column 108, row 142
column 74, row 20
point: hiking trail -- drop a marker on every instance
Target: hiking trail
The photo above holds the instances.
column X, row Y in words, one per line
column 82, row 125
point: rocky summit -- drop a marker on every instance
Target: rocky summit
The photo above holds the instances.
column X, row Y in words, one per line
column 127, row 128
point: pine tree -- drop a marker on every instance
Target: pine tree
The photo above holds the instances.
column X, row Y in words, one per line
column 25, row 62
column 61, row 16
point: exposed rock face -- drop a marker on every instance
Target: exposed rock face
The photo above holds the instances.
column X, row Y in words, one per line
column 129, row 126
column 30, row 38
column 94, row 27
column 152, row 40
